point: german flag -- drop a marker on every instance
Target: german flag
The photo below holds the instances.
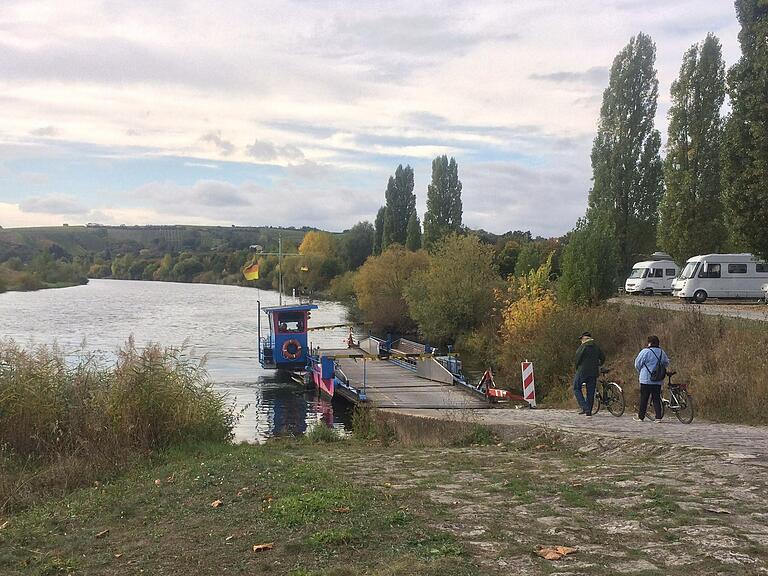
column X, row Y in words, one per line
column 251, row 272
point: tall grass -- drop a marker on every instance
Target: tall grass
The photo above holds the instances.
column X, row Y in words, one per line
column 64, row 424
column 723, row 360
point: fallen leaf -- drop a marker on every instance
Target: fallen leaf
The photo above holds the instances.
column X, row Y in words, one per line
column 118, row 555
column 102, row 533
column 5, row 524
column 554, row 552
column 342, row 510
column 216, row 503
column 549, row 554
column 262, row 547
column 157, row 482
column 228, row 538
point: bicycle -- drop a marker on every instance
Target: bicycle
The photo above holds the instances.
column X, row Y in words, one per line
column 680, row 401
column 608, row 394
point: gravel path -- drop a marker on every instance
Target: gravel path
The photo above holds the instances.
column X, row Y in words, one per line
column 735, row 441
column 749, row 310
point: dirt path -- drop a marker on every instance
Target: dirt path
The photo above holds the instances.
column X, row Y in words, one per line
column 737, row 442
column 748, row 310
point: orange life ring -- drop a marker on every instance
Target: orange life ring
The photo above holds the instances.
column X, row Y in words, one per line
column 296, row 345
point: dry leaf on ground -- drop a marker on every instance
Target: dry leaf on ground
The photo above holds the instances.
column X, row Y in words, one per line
column 5, row 524
column 157, row 482
column 554, row 552
column 262, row 547
column 216, row 503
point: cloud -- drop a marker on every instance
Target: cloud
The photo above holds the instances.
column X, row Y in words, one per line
column 320, row 101
column 45, row 131
column 267, row 151
column 225, row 147
column 207, row 165
column 595, row 76
column 204, row 193
column 53, row 204
column 500, row 196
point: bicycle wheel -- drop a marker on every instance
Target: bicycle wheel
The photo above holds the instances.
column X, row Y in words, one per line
column 615, row 399
column 596, row 402
column 686, row 411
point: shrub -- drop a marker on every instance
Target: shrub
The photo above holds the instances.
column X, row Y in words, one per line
column 590, row 264
column 456, row 293
column 379, row 286
column 321, row 433
column 90, row 418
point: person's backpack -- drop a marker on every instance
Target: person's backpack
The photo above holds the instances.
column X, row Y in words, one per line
column 660, row 371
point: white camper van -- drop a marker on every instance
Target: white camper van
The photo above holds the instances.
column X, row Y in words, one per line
column 721, row 276
column 652, row 276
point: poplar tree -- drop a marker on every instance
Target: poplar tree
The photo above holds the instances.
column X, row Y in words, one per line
column 745, row 147
column 444, row 209
column 627, row 170
column 378, row 230
column 413, row 238
column 387, row 233
column 401, row 201
column 691, row 212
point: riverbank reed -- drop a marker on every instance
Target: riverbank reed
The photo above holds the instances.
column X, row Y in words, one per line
column 64, row 424
column 722, row 359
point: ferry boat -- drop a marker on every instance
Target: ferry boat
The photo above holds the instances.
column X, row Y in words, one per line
column 285, row 347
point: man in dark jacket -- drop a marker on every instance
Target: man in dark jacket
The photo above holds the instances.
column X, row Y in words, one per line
column 589, row 358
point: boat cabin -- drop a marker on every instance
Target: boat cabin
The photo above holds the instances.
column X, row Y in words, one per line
column 286, row 345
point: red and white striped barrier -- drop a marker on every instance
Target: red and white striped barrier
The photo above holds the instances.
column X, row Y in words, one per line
column 529, row 386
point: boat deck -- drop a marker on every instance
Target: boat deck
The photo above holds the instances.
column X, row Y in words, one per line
column 388, row 385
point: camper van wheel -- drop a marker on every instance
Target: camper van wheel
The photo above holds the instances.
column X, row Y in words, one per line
column 648, row 291
column 699, row 296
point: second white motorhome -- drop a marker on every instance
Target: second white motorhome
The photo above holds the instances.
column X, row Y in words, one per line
column 652, row 276
column 721, row 276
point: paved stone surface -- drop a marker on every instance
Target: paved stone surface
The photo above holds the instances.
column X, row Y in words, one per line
column 750, row 311
column 737, row 442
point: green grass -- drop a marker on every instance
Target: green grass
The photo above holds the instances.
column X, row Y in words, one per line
column 279, row 493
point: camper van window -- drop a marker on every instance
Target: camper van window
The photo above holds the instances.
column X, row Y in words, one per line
column 658, row 272
column 689, row 271
column 637, row 273
column 711, row 271
column 670, row 272
column 737, row 268
column 761, row 268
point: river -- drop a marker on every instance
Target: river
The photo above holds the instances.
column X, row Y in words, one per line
column 218, row 322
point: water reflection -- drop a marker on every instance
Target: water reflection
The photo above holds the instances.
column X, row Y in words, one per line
column 215, row 322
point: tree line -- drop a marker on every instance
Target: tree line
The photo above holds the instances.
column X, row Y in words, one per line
column 709, row 193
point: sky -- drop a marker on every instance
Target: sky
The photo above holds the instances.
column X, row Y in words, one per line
column 295, row 113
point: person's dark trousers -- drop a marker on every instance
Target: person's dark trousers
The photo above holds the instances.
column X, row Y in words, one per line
column 591, row 382
column 653, row 392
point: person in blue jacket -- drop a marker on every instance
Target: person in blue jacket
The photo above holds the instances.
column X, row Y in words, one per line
column 651, row 364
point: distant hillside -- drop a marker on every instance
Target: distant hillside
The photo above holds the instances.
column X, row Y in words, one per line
column 75, row 241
